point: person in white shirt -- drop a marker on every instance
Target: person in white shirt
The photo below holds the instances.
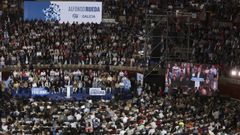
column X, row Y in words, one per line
column 52, row 72
column 70, row 118
column 216, row 115
column 4, row 127
column 124, row 119
column 67, row 79
column 73, row 125
column 213, row 70
column 2, row 61
column 43, row 73
column 161, row 114
column 132, row 62
column 34, row 84
column 56, row 73
column 78, row 116
column 163, row 132
column 121, row 74
column 122, row 132
column 151, row 131
column 175, row 69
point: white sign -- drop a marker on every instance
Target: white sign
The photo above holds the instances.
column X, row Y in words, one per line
column 97, row 92
column 140, row 77
column 39, row 91
column 106, row 20
column 81, row 12
column 68, row 91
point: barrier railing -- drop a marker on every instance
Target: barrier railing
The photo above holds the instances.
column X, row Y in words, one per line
column 73, row 66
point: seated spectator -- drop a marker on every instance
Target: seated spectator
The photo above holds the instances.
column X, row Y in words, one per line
column 148, row 114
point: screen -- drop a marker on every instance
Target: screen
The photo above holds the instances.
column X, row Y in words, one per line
column 63, row 11
column 192, row 78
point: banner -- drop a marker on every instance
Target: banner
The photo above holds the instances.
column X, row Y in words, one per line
column 97, row 92
column 39, row 92
column 140, row 77
column 63, row 11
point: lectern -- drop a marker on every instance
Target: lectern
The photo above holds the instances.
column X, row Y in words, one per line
column 69, row 87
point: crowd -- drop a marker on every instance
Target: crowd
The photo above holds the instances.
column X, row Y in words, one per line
column 214, row 35
column 146, row 114
column 214, row 32
column 120, row 44
column 40, row 42
column 216, row 44
column 55, row 80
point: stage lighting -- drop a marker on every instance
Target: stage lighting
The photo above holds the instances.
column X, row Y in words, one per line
column 239, row 73
column 234, row 73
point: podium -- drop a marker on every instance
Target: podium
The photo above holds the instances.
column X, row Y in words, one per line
column 197, row 81
column 68, row 87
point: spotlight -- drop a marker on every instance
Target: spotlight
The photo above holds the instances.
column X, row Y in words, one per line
column 234, row 73
column 239, row 73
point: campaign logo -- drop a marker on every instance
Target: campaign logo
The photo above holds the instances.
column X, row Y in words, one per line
column 52, row 13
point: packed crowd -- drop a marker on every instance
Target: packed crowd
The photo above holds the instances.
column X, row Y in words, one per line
column 146, row 114
column 214, row 33
column 55, row 80
column 121, row 43
column 216, row 43
column 53, row 43
column 38, row 42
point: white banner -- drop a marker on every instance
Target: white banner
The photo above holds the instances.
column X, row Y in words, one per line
column 73, row 11
column 39, row 91
column 140, row 77
column 97, row 92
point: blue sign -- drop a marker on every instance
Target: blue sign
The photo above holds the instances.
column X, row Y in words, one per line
column 34, row 10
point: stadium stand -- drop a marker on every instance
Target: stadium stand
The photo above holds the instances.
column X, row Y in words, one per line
column 51, row 55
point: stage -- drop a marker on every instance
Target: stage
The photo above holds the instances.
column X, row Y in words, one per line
column 84, row 94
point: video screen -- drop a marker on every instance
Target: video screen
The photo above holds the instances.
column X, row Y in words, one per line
column 192, row 78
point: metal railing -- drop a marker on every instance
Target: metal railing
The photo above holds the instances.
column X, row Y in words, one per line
column 73, row 66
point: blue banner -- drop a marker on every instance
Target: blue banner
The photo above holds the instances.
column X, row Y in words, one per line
column 33, row 10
